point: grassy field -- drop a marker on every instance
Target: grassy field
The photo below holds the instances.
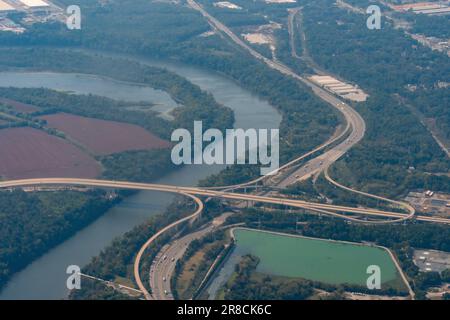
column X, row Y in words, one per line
column 184, row 283
column 314, row 259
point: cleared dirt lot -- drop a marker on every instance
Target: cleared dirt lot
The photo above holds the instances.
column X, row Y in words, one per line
column 104, row 137
column 30, row 153
column 19, row 106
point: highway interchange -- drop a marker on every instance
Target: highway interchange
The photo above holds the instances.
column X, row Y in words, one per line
column 355, row 123
column 164, row 265
column 194, row 192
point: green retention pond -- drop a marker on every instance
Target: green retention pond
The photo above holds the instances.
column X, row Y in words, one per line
column 327, row 261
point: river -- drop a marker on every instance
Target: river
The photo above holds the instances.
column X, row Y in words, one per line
column 45, row 278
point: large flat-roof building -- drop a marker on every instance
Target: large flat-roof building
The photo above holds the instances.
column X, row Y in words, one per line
column 340, row 88
column 430, row 8
column 35, row 3
column 33, row 11
column 4, row 6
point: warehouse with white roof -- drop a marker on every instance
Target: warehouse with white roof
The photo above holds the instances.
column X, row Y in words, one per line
column 35, row 3
column 4, row 6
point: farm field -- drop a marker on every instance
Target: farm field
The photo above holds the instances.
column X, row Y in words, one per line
column 326, row 261
column 34, row 154
column 19, row 106
column 104, row 137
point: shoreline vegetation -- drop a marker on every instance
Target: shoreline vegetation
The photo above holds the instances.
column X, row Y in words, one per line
column 395, row 141
column 322, row 242
column 34, row 223
column 146, row 165
column 400, row 239
column 40, row 59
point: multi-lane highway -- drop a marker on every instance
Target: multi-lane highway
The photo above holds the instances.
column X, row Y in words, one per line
column 322, row 162
column 193, row 192
column 163, row 265
column 355, row 123
column 137, row 261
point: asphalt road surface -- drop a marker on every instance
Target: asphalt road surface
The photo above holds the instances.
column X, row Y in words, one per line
column 163, row 265
column 356, row 122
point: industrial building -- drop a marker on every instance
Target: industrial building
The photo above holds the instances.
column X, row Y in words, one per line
column 36, row 11
column 35, row 3
column 340, row 88
column 5, row 7
column 7, row 24
column 27, row 5
column 429, row 8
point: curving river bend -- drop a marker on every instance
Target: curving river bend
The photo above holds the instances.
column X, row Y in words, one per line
column 45, row 278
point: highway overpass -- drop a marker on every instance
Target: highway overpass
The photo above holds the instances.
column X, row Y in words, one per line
column 214, row 194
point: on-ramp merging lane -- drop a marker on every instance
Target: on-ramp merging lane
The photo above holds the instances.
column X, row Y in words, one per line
column 354, row 121
column 163, row 265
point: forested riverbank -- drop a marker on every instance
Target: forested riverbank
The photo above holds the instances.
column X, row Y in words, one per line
column 32, row 223
column 397, row 154
column 134, row 165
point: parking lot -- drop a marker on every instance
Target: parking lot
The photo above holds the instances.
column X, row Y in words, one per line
column 431, row 261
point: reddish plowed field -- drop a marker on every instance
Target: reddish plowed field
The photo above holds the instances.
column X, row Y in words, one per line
column 30, row 153
column 104, row 137
column 19, row 106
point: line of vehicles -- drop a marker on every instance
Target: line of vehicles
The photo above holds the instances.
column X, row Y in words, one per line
column 164, row 278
